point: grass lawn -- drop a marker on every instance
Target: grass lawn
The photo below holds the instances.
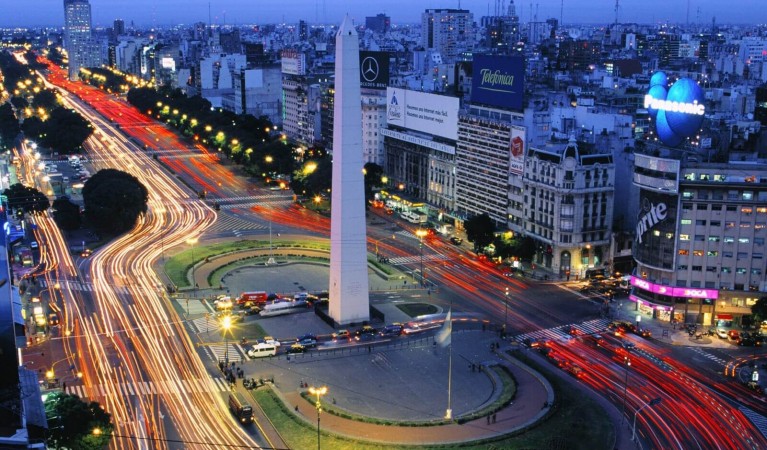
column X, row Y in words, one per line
column 417, row 309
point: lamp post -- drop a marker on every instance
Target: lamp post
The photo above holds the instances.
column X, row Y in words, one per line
column 319, row 392
column 626, row 364
column 421, row 233
column 193, row 243
column 653, row 402
column 226, row 323
column 505, row 312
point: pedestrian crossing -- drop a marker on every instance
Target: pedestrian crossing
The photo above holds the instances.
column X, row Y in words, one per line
column 218, row 352
column 707, row 355
column 180, row 387
column 401, row 260
column 562, row 332
column 759, row 421
column 205, row 324
column 86, row 287
column 226, row 222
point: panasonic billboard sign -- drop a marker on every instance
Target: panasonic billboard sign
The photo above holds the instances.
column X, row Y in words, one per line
column 677, row 108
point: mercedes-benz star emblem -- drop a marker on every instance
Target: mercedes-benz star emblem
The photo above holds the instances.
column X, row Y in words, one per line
column 369, row 69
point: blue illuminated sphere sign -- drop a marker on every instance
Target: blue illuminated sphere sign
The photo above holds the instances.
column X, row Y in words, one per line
column 678, row 110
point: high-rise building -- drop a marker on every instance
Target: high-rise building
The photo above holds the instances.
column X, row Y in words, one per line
column 118, row 28
column 448, row 31
column 379, row 23
column 80, row 47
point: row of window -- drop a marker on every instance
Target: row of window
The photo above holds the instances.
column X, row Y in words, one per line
column 747, row 210
column 727, row 239
column 713, row 269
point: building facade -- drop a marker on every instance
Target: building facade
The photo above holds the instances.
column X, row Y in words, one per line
column 81, row 50
column 448, row 31
column 700, row 240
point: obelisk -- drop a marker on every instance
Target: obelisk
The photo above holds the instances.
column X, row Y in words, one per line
column 349, row 294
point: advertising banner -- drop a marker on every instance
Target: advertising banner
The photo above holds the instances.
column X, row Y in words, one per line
column 655, row 244
column 677, row 110
column 293, row 62
column 517, row 148
column 374, row 70
column 498, row 81
column 421, row 111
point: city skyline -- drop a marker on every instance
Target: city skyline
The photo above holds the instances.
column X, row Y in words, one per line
column 240, row 12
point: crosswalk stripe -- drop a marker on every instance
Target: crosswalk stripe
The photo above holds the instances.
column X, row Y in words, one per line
column 759, row 421
column 178, row 387
column 417, row 258
column 561, row 332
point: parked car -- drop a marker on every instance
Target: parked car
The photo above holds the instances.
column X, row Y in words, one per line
column 366, row 329
column 644, row 332
column 223, row 303
column 391, row 330
column 342, row 335
column 722, row 333
column 307, row 340
column 296, row 348
column 456, row 240
column 269, row 340
column 734, row 335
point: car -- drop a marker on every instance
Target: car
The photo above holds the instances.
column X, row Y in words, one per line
column 628, row 345
column 573, row 331
column 749, row 342
column 574, row 370
column 296, row 348
column 365, row 337
column 391, row 330
column 223, row 303
column 307, row 340
column 366, row 329
column 644, row 332
column 341, row 335
column 269, row 340
column 53, row 319
column 252, row 310
column 86, row 253
column 456, row 240
column 722, row 333
column 734, row 335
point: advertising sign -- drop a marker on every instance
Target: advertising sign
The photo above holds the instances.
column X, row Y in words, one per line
column 421, row 111
column 293, row 62
column 517, row 147
column 374, row 70
column 498, row 81
column 655, row 230
column 677, row 109
column 671, row 291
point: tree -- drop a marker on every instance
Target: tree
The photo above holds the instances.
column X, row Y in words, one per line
column 373, row 175
column 480, row 230
column 114, row 200
column 308, row 183
column 9, row 125
column 759, row 309
column 66, row 214
column 66, row 130
column 72, row 423
column 26, row 199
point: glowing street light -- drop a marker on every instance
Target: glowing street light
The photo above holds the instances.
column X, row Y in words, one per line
column 319, row 392
column 226, row 324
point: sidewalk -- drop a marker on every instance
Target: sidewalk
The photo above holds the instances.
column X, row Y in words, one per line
column 534, row 394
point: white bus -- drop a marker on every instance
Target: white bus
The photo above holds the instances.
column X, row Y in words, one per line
column 414, row 217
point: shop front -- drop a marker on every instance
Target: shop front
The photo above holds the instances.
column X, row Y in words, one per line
column 680, row 304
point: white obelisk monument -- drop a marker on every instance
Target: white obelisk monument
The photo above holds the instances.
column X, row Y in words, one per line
column 349, row 293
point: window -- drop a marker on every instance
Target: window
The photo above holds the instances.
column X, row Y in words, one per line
column 687, row 195
column 747, row 210
column 727, row 254
column 761, row 210
column 716, row 207
column 681, row 267
column 757, row 256
column 743, row 240
column 729, row 239
column 689, row 176
column 684, row 237
column 713, row 239
column 686, row 221
column 712, row 253
column 732, row 208
column 756, row 271
column 700, row 223
column 740, row 270
column 697, row 268
column 742, row 255
column 697, row 253
column 700, row 237
column 726, row 270
column 687, row 206
column 728, row 225
column 759, row 225
column 720, row 177
column 701, row 206
column 745, row 225
column 748, row 195
column 684, row 252
column 711, row 269
column 715, row 223
column 705, row 177
column 759, row 241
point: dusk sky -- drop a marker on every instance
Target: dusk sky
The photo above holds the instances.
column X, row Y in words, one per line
column 165, row 12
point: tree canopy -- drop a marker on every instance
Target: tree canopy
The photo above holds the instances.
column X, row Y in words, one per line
column 114, row 200
column 64, row 131
column 480, row 230
column 66, row 214
column 9, row 125
column 72, row 423
column 373, row 175
column 759, row 309
column 314, row 177
column 26, row 199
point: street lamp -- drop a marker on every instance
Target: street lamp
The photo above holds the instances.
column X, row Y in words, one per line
column 626, row 364
column 653, row 402
column 226, row 323
column 505, row 312
column 319, row 392
column 421, row 233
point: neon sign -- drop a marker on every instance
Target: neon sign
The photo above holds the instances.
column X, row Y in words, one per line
column 681, row 292
column 677, row 109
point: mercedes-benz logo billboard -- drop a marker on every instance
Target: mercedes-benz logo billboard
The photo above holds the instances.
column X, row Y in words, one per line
column 374, row 70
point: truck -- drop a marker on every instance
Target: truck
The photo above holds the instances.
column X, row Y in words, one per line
column 257, row 297
column 240, row 408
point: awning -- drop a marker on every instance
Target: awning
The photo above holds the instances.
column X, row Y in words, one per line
column 724, row 317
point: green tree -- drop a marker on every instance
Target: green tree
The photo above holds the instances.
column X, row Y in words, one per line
column 65, row 131
column 309, row 183
column 26, row 199
column 759, row 309
column 114, row 200
column 373, row 174
column 9, row 125
column 45, row 99
column 66, row 214
column 72, row 423
column 480, row 230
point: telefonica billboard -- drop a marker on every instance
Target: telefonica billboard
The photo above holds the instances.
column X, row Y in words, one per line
column 498, row 81
column 677, row 108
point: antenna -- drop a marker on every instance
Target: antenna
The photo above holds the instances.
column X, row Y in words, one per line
column 688, row 13
column 210, row 22
column 617, row 6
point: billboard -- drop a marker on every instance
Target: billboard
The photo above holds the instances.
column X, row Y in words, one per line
column 421, row 111
column 293, row 62
column 517, row 147
column 655, row 235
column 374, row 70
column 677, row 108
column 498, row 81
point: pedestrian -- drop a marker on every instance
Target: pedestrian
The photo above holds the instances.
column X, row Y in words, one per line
column 64, row 386
column 493, row 417
column 296, row 408
column 488, row 420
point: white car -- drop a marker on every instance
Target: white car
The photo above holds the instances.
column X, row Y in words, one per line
column 722, row 333
column 269, row 341
column 223, row 303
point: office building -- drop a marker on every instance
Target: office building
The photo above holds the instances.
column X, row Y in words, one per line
column 380, row 23
column 81, row 49
column 448, row 31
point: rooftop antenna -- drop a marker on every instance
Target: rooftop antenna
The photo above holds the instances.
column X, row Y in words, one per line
column 688, row 13
column 531, row 11
column 210, row 22
column 536, row 12
column 561, row 11
column 617, row 6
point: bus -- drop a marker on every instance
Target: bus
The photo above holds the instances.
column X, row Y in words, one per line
column 414, row 217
